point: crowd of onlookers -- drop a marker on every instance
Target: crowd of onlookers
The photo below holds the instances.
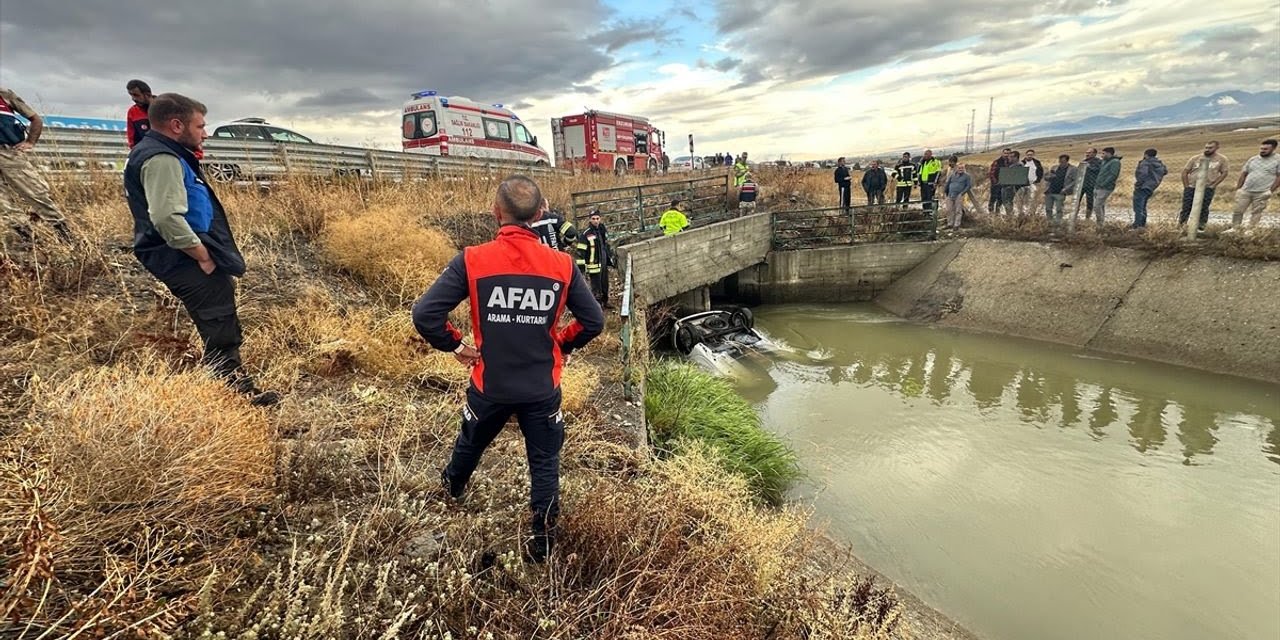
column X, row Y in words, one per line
column 1019, row 184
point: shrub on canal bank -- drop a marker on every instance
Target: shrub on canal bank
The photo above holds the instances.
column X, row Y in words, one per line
column 684, row 404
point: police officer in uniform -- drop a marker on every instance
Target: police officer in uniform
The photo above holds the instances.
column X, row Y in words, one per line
column 518, row 288
column 19, row 178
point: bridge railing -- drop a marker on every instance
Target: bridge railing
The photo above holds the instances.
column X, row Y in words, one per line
column 632, row 212
column 81, row 151
column 809, row 228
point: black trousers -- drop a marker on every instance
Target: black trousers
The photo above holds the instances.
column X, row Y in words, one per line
column 875, row 197
column 845, row 196
column 926, row 194
column 904, row 195
column 1087, row 196
column 1189, row 198
column 542, row 426
column 600, row 285
column 211, row 302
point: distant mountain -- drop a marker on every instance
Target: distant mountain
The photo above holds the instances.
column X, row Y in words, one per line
column 1219, row 107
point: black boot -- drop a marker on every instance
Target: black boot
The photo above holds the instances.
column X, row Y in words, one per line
column 455, row 490
column 536, row 548
column 244, row 385
column 64, row 233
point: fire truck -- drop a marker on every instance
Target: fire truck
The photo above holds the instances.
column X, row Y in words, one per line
column 603, row 141
column 442, row 126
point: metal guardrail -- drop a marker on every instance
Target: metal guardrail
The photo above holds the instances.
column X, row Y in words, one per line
column 78, row 151
column 810, row 228
column 631, row 213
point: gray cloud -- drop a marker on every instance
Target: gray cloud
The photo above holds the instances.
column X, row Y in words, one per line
column 292, row 57
column 1236, row 57
column 722, row 65
column 346, row 97
column 803, row 39
column 629, row 32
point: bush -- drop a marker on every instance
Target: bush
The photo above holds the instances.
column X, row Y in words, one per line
column 387, row 249
column 683, row 403
column 129, row 480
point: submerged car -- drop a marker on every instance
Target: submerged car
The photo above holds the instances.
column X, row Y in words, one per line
column 720, row 340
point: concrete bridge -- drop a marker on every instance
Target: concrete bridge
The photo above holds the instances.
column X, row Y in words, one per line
column 737, row 258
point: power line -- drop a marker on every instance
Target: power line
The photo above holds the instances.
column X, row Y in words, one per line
column 990, row 108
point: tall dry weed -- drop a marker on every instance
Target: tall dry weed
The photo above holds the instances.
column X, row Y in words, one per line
column 134, row 480
column 387, row 249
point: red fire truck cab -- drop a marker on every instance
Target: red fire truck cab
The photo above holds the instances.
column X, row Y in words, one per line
column 603, row 141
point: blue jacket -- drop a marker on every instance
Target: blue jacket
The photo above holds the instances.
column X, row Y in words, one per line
column 204, row 213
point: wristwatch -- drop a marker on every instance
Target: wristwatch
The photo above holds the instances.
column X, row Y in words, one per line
column 461, row 346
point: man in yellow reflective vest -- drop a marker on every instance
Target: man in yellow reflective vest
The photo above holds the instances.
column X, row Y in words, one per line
column 930, row 169
column 740, row 170
column 673, row 220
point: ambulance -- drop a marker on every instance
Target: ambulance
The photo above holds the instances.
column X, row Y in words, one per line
column 458, row 127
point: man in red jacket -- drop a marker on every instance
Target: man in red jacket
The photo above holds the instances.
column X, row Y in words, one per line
column 518, row 288
column 137, row 122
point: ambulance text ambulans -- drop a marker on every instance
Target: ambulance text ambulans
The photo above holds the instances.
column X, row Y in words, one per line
column 458, row 127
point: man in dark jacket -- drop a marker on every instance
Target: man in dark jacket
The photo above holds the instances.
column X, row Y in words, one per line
column 874, row 182
column 1105, row 183
column 181, row 234
column 136, row 122
column 517, row 289
column 904, row 174
column 844, row 183
column 1146, row 178
column 1060, row 182
column 993, row 180
column 1089, row 179
column 595, row 256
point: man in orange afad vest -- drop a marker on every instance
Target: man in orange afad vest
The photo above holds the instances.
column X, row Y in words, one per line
column 518, row 288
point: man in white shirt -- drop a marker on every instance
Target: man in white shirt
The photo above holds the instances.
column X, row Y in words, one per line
column 1259, row 180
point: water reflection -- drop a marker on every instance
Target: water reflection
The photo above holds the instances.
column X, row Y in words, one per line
column 1046, row 385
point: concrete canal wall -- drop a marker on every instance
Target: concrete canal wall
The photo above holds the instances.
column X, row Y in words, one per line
column 1207, row 312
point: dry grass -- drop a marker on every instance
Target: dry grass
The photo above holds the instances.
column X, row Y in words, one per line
column 1157, row 240
column 129, row 479
column 141, row 499
column 388, row 250
column 678, row 551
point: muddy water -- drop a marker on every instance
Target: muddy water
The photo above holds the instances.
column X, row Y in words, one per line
column 1029, row 490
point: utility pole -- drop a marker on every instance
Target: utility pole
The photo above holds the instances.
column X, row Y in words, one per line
column 968, row 141
column 990, row 107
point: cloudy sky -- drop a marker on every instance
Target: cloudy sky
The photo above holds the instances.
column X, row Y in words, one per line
column 805, row 78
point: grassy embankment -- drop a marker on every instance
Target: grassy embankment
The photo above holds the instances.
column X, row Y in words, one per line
column 138, row 498
column 803, row 189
